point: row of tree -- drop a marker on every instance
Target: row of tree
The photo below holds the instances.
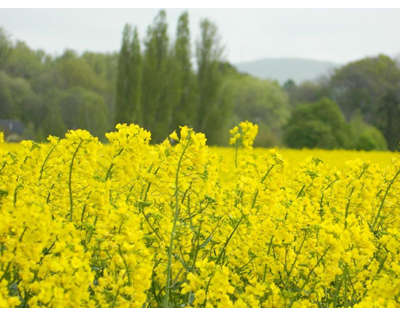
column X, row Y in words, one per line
column 321, row 124
column 158, row 88
column 367, row 92
column 161, row 84
column 53, row 94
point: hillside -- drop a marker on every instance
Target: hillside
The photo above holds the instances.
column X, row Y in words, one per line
column 282, row 69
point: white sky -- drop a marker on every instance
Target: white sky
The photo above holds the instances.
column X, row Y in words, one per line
column 338, row 35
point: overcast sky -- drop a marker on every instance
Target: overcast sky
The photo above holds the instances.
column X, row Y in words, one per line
column 338, row 35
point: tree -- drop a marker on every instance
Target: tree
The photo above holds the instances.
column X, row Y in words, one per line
column 371, row 139
column 371, row 86
column 75, row 72
column 366, row 136
column 7, row 108
column 17, row 100
column 23, row 62
column 105, row 67
column 50, row 94
column 51, row 122
column 5, row 48
column 307, row 91
column 317, row 125
column 135, row 111
column 264, row 103
column 185, row 109
column 212, row 113
column 84, row 109
column 155, row 94
column 128, row 103
column 289, row 85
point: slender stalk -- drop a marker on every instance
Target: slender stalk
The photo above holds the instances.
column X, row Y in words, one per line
column 176, row 215
column 227, row 241
column 236, row 155
column 308, row 277
column 262, row 181
column 347, row 208
column 45, row 161
column 126, row 266
column 112, row 165
column 297, row 256
column 71, row 211
column 383, row 200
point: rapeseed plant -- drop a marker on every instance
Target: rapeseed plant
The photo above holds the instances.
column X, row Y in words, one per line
column 129, row 224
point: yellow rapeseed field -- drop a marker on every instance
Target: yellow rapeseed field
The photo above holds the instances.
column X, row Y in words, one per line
column 127, row 224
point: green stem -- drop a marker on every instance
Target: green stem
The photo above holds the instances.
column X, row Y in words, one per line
column 70, row 182
column 262, row 181
column 45, row 161
column 308, row 277
column 112, row 165
column 297, row 256
column 15, row 248
column 227, row 241
column 347, row 208
column 176, row 215
column 126, row 266
column 236, row 155
column 383, row 200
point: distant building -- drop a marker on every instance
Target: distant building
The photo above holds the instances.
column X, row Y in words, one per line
column 13, row 130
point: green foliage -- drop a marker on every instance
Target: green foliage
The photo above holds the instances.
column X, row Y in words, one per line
column 262, row 102
column 371, row 139
column 307, row 91
column 156, row 87
column 16, row 97
column 129, row 79
column 23, row 62
column 317, row 125
column 365, row 136
column 52, row 95
column 5, row 48
column 156, row 66
column 52, row 122
column 371, row 86
column 72, row 109
column 75, row 72
column 214, row 94
column 171, row 94
column 184, row 112
column 86, row 110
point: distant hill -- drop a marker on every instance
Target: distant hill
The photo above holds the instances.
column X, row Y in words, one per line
column 282, row 69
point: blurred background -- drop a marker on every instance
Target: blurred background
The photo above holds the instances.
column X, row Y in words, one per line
column 315, row 78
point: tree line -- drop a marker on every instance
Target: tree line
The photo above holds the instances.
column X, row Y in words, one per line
column 366, row 97
column 53, row 94
column 161, row 84
column 158, row 89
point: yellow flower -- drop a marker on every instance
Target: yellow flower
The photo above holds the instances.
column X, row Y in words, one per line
column 129, row 224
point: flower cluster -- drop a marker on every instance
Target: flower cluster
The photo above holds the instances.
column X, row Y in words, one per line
column 129, row 224
column 243, row 135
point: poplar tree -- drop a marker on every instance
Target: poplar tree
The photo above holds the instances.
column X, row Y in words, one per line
column 155, row 79
column 129, row 78
column 185, row 107
column 214, row 107
column 122, row 92
column 135, row 81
